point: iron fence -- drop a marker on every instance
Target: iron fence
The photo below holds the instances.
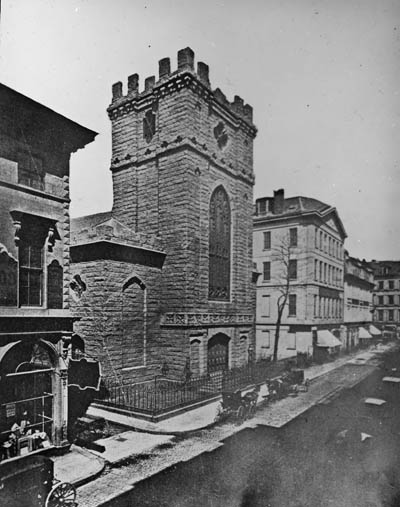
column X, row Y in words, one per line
column 162, row 395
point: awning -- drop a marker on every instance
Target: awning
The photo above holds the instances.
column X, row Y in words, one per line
column 374, row 331
column 327, row 339
column 363, row 333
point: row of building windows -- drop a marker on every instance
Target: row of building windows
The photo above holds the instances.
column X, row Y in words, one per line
column 387, row 315
column 292, row 270
column 266, row 305
column 328, row 274
column 388, row 284
column 352, row 302
column 266, row 342
column 390, row 299
column 293, row 238
column 327, row 244
column 327, row 308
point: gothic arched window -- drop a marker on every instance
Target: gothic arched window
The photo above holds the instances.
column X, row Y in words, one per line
column 219, row 246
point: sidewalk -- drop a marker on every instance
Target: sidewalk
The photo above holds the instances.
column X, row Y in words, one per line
column 81, row 465
column 202, row 417
column 77, row 466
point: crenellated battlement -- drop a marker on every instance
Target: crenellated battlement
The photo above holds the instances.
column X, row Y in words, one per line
column 185, row 65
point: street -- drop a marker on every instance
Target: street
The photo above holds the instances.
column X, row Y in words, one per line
column 342, row 452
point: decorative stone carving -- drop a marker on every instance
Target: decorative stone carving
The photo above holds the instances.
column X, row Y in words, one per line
column 202, row 319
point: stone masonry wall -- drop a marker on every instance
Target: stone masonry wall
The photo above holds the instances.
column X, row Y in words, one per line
column 172, row 145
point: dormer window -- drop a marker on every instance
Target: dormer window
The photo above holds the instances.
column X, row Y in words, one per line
column 262, row 206
column 30, row 170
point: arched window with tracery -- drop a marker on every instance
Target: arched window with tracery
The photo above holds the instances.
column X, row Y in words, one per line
column 219, row 246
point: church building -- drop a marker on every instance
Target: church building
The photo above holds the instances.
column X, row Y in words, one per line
column 163, row 281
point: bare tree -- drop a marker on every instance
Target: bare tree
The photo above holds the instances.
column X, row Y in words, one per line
column 282, row 256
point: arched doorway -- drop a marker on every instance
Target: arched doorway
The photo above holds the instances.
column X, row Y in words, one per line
column 218, row 353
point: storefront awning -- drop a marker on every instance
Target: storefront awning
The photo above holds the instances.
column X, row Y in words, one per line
column 374, row 331
column 327, row 339
column 363, row 333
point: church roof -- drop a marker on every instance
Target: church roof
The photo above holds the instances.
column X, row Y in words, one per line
column 89, row 221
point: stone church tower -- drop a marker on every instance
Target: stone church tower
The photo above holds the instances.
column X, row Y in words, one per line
column 182, row 167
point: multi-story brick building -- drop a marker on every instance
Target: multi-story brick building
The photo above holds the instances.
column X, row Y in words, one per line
column 298, row 241
column 35, row 321
column 386, row 314
column 358, row 306
column 164, row 280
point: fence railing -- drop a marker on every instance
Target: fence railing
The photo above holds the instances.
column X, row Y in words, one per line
column 162, row 395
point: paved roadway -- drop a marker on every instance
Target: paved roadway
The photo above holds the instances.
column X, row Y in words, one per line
column 341, row 453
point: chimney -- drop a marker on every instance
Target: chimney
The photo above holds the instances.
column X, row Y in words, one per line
column 185, row 59
column 279, row 199
column 164, row 68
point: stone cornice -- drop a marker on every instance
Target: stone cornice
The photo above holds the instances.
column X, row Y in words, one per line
column 103, row 249
column 206, row 319
column 33, row 191
column 137, row 102
column 181, row 144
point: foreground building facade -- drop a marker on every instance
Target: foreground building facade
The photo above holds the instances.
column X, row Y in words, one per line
column 298, row 242
column 163, row 282
column 36, row 325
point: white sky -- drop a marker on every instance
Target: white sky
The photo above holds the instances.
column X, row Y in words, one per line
column 322, row 75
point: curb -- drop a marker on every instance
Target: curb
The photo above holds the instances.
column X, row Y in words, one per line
column 85, row 480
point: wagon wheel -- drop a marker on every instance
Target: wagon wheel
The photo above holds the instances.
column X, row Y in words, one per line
column 61, row 494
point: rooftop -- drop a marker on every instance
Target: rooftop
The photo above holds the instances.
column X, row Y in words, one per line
column 38, row 123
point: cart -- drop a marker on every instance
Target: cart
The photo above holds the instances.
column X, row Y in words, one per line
column 250, row 401
column 29, row 482
column 231, row 405
column 236, row 405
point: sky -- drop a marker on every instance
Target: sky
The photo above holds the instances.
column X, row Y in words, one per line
column 322, row 76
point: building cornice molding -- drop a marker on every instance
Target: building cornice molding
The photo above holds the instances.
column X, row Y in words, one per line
column 33, row 191
column 102, row 249
column 180, row 144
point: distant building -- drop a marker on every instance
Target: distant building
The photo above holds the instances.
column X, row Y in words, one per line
column 163, row 282
column 386, row 314
column 314, row 235
column 36, row 325
column 358, row 302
